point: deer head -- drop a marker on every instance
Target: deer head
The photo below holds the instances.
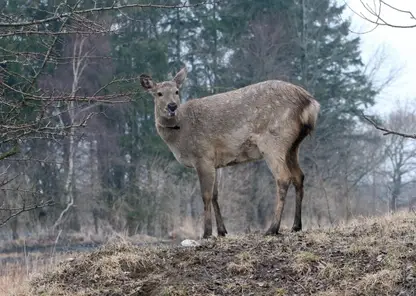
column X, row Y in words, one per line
column 166, row 95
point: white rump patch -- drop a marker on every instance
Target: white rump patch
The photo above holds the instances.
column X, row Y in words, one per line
column 310, row 113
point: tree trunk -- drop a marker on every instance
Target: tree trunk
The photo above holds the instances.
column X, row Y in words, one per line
column 374, row 194
column 393, row 202
column 397, row 185
column 14, row 225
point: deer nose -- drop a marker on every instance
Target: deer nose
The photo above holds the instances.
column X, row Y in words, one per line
column 172, row 107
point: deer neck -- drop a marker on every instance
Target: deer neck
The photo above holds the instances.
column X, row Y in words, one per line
column 168, row 128
column 168, row 123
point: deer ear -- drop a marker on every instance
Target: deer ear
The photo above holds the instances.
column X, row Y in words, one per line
column 180, row 77
column 147, row 82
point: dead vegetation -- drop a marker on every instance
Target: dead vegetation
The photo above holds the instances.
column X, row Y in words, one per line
column 17, row 269
column 368, row 257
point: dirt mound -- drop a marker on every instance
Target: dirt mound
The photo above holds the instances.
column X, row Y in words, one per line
column 369, row 257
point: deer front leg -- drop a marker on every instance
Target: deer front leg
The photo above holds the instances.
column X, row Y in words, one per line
column 206, row 175
column 218, row 217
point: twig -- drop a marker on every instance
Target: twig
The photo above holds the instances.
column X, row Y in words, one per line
column 380, row 21
column 15, row 150
column 388, row 131
column 97, row 9
column 24, row 209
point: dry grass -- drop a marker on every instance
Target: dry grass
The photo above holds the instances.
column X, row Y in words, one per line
column 16, row 275
column 13, row 284
column 379, row 283
column 243, row 263
column 304, row 261
column 368, row 257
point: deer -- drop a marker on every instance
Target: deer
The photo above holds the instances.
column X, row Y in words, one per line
column 263, row 121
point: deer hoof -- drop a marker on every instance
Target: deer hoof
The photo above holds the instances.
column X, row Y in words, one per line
column 273, row 229
column 272, row 232
column 296, row 228
column 222, row 232
column 207, row 236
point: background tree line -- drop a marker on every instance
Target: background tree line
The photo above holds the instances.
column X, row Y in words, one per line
column 78, row 145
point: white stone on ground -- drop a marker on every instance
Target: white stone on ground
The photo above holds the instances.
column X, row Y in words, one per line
column 189, row 243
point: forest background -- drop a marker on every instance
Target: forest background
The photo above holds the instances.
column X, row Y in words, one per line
column 79, row 153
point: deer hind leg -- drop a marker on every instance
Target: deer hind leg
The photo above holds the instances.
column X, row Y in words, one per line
column 218, row 217
column 283, row 179
column 206, row 175
column 298, row 178
column 276, row 159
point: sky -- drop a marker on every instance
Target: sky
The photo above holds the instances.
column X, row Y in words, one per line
column 398, row 48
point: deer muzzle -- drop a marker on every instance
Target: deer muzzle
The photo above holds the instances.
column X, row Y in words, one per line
column 172, row 108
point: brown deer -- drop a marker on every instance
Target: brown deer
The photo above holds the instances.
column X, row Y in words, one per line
column 266, row 120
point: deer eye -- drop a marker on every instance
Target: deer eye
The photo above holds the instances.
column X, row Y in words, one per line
column 177, row 92
column 159, row 94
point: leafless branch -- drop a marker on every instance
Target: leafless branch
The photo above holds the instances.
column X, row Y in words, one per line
column 39, row 100
column 114, row 7
column 388, row 131
column 14, row 212
column 376, row 17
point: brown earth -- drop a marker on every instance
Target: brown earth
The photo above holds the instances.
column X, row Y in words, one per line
column 368, row 257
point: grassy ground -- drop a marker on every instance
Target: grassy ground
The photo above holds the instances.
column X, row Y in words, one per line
column 19, row 268
column 367, row 257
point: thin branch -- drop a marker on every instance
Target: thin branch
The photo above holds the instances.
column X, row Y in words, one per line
column 15, row 150
column 59, row 33
column 23, row 209
column 388, row 131
column 68, row 98
column 9, row 180
column 376, row 12
column 97, row 9
column 399, row 10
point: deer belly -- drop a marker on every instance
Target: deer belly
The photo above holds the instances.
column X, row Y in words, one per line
column 246, row 152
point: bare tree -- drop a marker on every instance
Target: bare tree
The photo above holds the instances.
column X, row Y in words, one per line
column 264, row 53
column 401, row 153
column 33, row 110
column 81, row 54
column 71, row 21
